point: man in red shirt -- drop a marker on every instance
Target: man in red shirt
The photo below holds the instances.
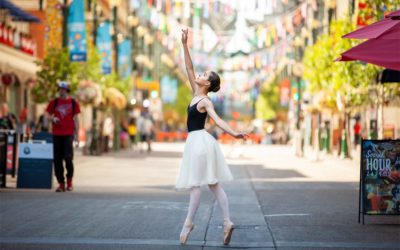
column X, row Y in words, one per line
column 63, row 113
column 357, row 132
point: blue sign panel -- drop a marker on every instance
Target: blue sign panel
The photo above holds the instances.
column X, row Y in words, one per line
column 76, row 31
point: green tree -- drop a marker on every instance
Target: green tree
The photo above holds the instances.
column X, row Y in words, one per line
column 184, row 96
column 317, row 62
column 377, row 8
column 115, row 81
column 346, row 83
column 91, row 69
column 347, row 79
column 267, row 104
column 350, row 79
column 54, row 67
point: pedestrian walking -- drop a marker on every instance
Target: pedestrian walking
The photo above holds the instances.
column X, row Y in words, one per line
column 146, row 129
column 7, row 119
column 357, row 132
column 132, row 130
column 108, row 132
column 43, row 124
column 63, row 112
column 203, row 162
column 22, row 125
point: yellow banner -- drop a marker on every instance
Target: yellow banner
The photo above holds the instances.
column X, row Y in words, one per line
column 54, row 21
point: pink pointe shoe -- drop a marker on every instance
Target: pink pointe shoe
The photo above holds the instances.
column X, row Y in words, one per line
column 228, row 229
column 186, row 230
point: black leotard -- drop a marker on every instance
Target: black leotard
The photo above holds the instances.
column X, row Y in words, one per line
column 195, row 120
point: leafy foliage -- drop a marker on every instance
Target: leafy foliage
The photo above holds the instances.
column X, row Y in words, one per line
column 267, row 104
column 91, row 70
column 376, row 9
column 54, row 67
column 115, row 81
column 347, row 79
column 184, row 96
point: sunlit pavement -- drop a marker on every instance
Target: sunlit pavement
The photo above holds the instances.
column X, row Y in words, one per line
column 127, row 200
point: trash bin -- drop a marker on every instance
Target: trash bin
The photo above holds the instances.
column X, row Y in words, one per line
column 35, row 165
column 43, row 136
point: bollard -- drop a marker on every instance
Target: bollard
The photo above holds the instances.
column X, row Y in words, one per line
column 343, row 148
column 3, row 159
column 324, row 140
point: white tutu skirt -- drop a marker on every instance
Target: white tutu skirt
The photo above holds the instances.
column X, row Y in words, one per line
column 203, row 162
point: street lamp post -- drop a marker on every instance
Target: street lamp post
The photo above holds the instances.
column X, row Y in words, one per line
column 115, row 4
column 299, row 96
column 115, row 34
column 94, row 147
column 298, row 72
column 133, row 22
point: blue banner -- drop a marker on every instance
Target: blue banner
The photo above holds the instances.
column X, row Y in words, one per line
column 104, row 45
column 77, row 31
column 124, row 58
column 169, row 89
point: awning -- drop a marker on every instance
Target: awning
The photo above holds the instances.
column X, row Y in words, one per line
column 17, row 13
column 12, row 60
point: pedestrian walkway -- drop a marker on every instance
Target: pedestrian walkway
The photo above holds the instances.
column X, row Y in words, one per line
column 127, row 200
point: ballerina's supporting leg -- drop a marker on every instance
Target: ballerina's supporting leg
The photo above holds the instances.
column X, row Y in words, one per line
column 223, row 202
column 195, row 194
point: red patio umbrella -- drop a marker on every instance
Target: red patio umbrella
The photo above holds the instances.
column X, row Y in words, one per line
column 383, row 46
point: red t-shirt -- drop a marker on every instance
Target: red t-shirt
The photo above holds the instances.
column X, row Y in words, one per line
column 63, row 111
column 357, row 129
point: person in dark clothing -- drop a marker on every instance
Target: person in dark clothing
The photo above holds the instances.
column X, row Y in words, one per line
column 43, row 124
column 357, row 133
column 7, row 119
column 63, row 112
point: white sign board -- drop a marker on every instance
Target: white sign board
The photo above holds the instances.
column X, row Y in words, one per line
column 35, row 151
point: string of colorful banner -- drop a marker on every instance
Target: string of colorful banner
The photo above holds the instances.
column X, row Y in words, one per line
column 270, row 39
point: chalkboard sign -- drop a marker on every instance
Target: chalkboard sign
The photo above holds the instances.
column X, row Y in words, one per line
column 379, row 178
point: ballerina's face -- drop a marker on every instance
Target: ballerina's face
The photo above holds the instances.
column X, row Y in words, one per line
column 202, row 79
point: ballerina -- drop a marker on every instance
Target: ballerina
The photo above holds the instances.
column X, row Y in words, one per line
column 203, row 162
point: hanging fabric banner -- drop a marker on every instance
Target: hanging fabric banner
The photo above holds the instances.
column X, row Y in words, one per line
column 53, row 38
column 104, row 45
column 76, row 31
column 124, row 58
column 169, row 89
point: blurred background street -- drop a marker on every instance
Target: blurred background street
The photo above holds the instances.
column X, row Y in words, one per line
column 310, row 81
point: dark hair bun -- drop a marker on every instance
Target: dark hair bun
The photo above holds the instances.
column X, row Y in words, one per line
column 214, row 82
column 216, row 89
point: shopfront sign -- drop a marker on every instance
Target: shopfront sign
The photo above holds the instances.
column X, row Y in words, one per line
column 15, row 38
column 380, row 178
